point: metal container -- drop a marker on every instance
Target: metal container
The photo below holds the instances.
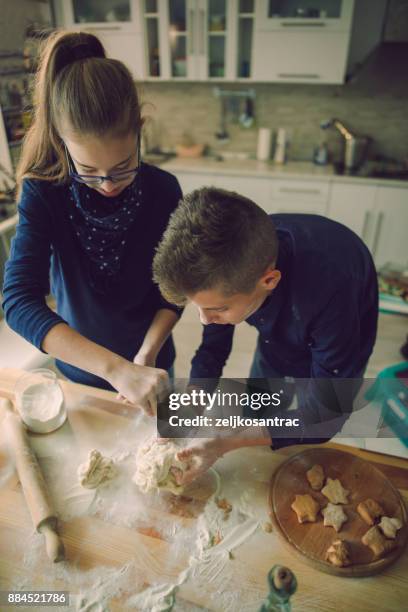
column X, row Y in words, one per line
column 355, row 152
column 355, row 147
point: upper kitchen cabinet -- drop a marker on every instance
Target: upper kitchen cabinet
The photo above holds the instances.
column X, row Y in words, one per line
column 198, row 40
column 116, row 22
column 289, row 15
column 308, row 41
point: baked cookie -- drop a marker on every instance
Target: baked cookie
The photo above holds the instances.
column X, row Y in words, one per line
column 377, row 542
column 306, row 508
column 335, row 492
column 370, row 510
column 389, row 526
column 334, row 516
column 315, row 477
column 338, row 553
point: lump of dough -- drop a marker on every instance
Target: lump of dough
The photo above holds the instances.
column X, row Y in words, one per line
column 153, row 464
column 97, row 470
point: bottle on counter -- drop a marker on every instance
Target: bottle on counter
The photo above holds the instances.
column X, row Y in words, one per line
column 280, row 147
column 263, row 151
column 321, row 154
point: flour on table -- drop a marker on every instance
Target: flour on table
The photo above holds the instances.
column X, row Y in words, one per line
column 153, row 467
column 96, row 471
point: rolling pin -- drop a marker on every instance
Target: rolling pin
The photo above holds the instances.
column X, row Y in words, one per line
column 35, row 491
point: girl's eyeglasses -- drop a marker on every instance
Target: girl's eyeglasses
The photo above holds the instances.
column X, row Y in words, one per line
column 91, row 179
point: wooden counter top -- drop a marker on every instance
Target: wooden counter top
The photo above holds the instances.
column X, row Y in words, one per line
column 95, row 418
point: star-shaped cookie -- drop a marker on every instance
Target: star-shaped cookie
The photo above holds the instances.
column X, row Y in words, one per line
column 334, row 516
column 389, row 526
column 306, row 508
column 335, row 492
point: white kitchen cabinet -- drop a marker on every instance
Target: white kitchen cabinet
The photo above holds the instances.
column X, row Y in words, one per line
column 354, row 206
column 297, row 196
column 197, row 40
column 302, row 42
column 193, row 180
column 273, row 195
column 378, row 214
column 256, row 189
column 116, row 23
column 390, row 241
column 314, row 42
column 289, row 15
column 300, row 57
column 118, row 15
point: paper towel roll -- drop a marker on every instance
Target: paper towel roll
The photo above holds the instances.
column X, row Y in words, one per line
column 263, row 151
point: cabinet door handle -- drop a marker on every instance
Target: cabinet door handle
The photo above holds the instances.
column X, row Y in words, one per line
column 295, row 75
column 301, row 24
column 294, row 190
column 202, row 33
column 191, row 32
column 365, row 224
column 104, row 29
column 377, row 232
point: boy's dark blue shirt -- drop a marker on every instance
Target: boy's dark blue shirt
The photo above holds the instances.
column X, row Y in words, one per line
column 45, row 248
column 321, row 320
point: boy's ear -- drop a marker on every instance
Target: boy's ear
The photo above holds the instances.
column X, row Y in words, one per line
column 270, row 279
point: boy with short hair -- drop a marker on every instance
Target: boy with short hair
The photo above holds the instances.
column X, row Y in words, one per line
column 307, row 283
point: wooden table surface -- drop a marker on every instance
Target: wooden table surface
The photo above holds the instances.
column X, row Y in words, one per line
column 92, row 542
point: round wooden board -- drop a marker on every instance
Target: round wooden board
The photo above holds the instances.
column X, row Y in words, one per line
column 310, row 541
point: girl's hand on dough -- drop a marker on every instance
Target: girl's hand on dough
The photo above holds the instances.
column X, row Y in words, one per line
column 140, row 386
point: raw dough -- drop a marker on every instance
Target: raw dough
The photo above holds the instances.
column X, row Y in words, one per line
column 335, row 491
column 98, row 470
column 389, row 526
column 334, row 516
column 153, row 467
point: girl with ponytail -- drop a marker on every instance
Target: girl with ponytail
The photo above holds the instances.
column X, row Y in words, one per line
column 91, row 214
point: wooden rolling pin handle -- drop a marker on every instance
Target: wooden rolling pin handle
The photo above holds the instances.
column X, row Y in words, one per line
column 53, row 543
column 33, row 483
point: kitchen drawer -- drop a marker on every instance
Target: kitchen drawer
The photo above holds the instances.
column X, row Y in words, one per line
column 306, row 207
column 302, row 191
column 189, row 181
column 256, row 189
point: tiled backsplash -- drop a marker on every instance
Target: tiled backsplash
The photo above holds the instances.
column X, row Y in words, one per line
column 176, row 108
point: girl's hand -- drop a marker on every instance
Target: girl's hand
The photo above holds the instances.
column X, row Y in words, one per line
column 140, row 385
column 145, row 359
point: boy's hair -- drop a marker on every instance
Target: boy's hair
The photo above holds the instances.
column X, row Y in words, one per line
column 215, row 239
column 75, row 83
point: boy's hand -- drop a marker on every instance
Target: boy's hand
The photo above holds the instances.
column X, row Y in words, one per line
column 201, row 454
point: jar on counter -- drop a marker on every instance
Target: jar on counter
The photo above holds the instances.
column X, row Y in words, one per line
column 40, row 400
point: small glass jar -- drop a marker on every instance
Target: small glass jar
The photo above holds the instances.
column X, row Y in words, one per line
column 40, row 400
